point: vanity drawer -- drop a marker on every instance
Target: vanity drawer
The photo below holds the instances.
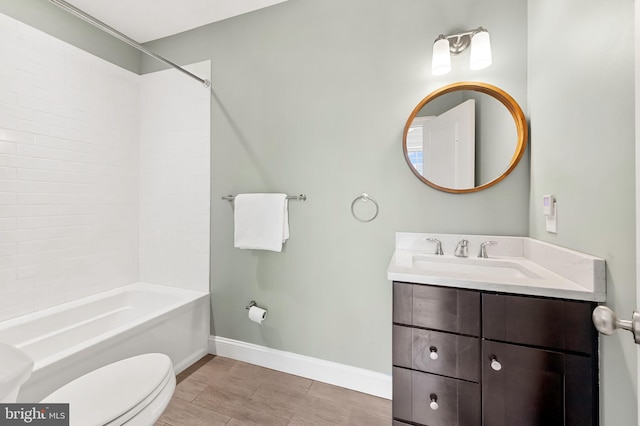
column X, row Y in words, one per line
column 401, row 400
column 548, row 323
column 439, row 308
column 436, row 352
column 458, row 402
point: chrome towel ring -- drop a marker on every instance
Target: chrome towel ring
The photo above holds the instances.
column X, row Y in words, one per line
column 364, row 198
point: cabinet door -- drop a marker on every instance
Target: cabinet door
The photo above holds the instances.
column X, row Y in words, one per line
column 534, row 387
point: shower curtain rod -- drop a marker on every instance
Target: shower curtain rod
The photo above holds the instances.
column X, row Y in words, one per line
column 106, row 28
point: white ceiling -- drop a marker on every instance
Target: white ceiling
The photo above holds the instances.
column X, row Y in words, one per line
column 146, row 20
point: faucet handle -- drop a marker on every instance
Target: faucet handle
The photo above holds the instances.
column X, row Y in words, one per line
column 438, row 245
column 483, row 248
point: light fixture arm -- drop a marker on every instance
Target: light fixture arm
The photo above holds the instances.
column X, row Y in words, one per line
column 459, row 42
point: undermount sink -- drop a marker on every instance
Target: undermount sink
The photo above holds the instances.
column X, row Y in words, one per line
column 481, row 268
column 515, row 265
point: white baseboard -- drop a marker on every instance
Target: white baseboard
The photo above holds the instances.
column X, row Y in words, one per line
column 345, row 376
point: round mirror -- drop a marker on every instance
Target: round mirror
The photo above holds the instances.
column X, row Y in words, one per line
column 465, row 137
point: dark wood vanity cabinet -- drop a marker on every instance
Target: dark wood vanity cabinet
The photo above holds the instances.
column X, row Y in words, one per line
column 467, row 357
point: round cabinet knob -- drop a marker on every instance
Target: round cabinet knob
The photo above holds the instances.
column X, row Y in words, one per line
column 495, row 364
column 433, row 353
column 434, row 402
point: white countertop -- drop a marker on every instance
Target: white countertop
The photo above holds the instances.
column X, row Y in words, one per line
column 517, row 265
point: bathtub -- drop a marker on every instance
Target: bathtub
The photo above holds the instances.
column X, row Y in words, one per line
column 69, row 340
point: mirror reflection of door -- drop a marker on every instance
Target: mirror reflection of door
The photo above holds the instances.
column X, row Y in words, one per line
column 442, row 148
column 500, row 134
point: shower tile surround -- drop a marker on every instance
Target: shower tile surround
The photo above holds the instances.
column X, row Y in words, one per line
column 96, row 167
column 175, row 179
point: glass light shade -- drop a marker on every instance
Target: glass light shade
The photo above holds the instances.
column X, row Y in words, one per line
column 441, row 60
column 480, row 51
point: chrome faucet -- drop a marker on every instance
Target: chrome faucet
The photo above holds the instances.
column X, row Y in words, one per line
column 483, row 248
column 462, row 249
column 438, row 246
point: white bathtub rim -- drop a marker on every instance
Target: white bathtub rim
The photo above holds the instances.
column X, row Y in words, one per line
column 140, row 285
column 182, row 335
column 144, row 321
column 140, row 324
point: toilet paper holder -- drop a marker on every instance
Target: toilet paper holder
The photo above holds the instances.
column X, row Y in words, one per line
column 256, row 313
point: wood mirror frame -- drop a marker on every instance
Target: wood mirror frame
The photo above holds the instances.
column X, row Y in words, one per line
column 499, row 94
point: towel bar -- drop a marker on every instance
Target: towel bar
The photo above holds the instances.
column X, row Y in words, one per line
column 301, row 197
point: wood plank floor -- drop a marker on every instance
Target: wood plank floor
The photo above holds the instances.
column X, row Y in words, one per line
column 221, row 391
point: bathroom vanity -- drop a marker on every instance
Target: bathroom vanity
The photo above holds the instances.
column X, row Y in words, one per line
column 474, row 346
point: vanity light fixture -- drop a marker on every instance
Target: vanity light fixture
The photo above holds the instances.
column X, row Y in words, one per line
column 444, row 45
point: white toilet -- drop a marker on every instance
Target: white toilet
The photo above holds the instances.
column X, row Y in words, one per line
column 135, row 390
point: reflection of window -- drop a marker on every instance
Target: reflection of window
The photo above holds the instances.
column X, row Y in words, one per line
column 414, row 143
column 416, row 159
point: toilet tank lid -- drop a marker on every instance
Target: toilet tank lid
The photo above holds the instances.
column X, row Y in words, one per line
column 110, row 392
column 15, row 368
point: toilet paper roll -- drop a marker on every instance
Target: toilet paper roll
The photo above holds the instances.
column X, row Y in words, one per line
column 257, row 314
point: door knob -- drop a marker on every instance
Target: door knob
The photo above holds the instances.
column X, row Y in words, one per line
column 607, row 322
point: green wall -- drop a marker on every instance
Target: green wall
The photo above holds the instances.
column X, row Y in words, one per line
column 49, row 18
column 581, row 110
column 311, row 96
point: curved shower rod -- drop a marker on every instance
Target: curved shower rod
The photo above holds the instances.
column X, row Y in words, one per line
column 106, row 28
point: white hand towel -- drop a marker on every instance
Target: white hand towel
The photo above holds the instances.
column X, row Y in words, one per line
column 261, row 221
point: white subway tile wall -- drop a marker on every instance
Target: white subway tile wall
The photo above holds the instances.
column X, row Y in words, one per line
column 175, row 178
column 69, row 155
column 71, row 174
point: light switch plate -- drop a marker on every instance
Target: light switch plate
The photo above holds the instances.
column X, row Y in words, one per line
column 552, row 219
